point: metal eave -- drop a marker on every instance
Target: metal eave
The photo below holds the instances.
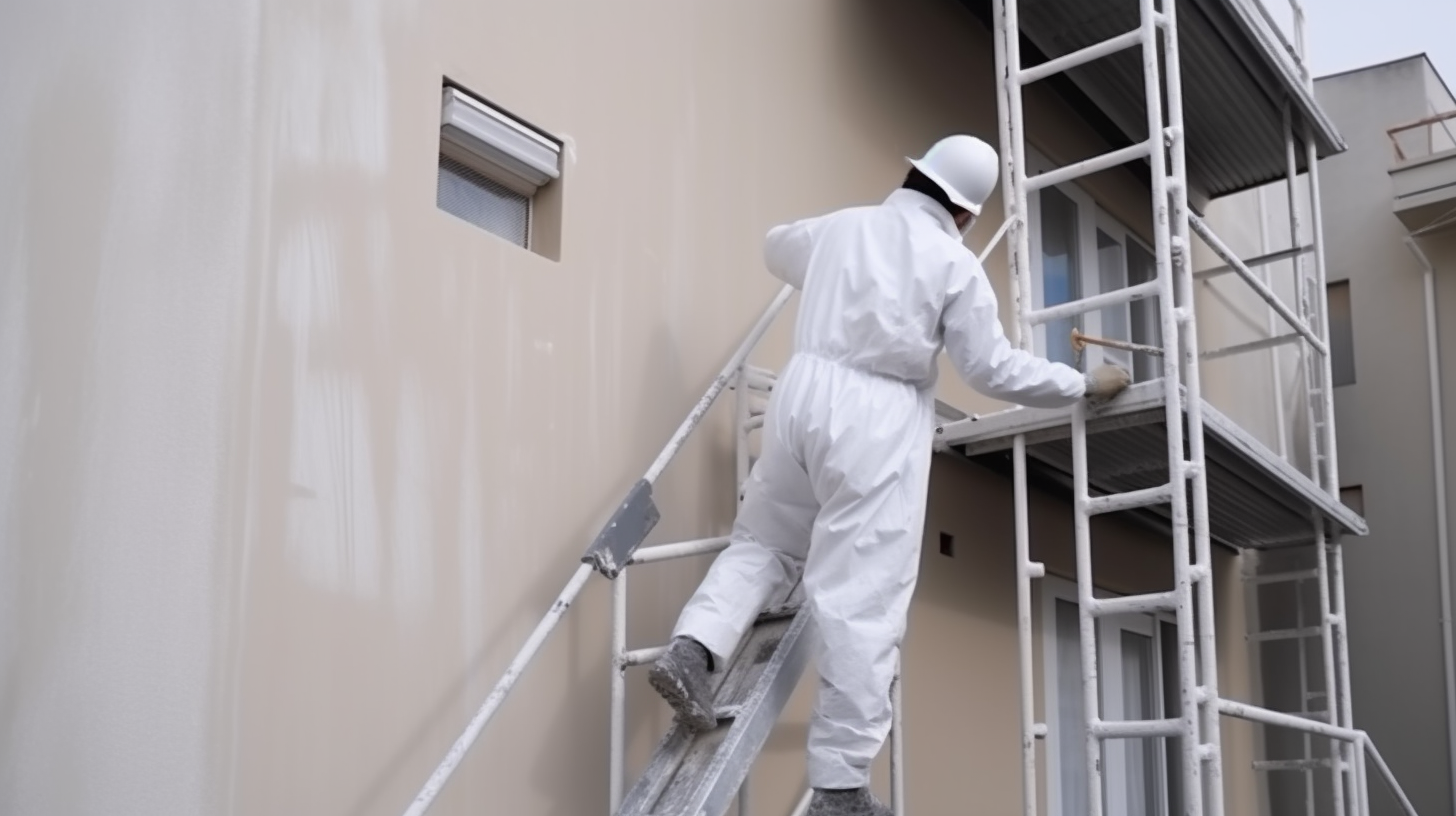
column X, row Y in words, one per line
column 1237, row 72
column 1256, row 500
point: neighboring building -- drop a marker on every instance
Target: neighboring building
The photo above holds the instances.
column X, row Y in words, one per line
column 308, row 408
column 1389, row 208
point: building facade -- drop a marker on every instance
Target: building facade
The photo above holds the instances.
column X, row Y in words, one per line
column 305, row 416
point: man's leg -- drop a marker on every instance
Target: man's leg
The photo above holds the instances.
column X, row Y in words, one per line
column 770, row 533
column 860, row 575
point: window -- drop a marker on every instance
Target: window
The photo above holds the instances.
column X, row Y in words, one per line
column 1342, row 334
column 497, row 172
column 1353, row 497
column 1138, row 668
column 1079, row 250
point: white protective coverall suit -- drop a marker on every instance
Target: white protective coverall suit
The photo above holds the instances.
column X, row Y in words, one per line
column 841, row 482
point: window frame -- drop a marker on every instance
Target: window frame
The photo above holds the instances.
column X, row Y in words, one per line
column 503, row 150
column 1114, row 756
column 1091, row 218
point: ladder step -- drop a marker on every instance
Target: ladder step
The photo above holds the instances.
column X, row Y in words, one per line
column 1092, row 303
column 1285, row 634
column 1137, row 729
column 681, row 549
column 1096, row 164
column 1135, row 604
column 702, row 772
column 1130, row 500
column 1092, row 52
column 1290, row 764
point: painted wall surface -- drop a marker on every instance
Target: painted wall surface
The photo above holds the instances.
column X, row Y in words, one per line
column 291, row 461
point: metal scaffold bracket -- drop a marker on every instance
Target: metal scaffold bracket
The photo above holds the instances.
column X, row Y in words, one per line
column 612, row 550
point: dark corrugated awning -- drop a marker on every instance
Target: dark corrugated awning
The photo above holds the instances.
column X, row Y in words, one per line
column 1238, row 70
column 1255, row 499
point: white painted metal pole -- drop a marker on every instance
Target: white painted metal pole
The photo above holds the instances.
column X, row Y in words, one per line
column 897, row 746
column 1390, row 780
column 1014, row 204
column 503, row 687
column 740, row 429
column 1438, row 477
column 1086, row 598
column 1327, row 639
column 1304, row 697
column 1026, row 570
column 1322, row 312
column 803, row 806
column 1173, row 410
column 618, row 781
column 1344, row 705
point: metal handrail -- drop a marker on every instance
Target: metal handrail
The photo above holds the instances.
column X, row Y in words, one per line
column 527, row 653
column 1429, row 123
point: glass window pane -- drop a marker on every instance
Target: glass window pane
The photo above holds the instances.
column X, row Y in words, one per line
column 1173, row 751
column 1071, row 722
column 1342, row 334
column 1147, row 327
column 1111, row 276
column 1138, row 685
column 1060, row 270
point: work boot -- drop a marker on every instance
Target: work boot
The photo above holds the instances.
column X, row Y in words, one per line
column 851, row 802
column 681, row 677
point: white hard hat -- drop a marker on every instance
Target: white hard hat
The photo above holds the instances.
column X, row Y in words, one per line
column 965, row 167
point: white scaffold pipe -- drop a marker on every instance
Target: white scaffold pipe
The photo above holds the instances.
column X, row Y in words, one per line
column 1221, row 249
column 682, row 549
column 1390, row 780
column 498, row 694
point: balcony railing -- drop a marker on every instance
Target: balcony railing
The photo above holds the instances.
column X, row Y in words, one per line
column 1424, row 138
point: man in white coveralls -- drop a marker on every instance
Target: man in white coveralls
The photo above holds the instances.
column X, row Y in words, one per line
column 842, row 479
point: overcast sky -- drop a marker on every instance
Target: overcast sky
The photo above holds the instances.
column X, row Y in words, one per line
column 1345, row 34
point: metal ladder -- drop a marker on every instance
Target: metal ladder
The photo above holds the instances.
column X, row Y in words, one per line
column 1196, row 723
column 701, row 773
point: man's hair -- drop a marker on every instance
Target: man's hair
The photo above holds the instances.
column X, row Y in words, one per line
column 921, row 183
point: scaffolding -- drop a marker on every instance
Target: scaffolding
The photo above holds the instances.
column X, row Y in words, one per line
column 1185, row 494
column 1201, row 450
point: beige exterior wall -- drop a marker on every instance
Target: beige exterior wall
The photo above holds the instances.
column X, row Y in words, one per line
column 291, row 461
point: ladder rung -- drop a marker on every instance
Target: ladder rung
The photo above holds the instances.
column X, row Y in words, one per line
column 1284, row 577
column 1096, row 164
column 1135, row 604
column 1137, row 729
column 1116, row 297
column 681, row 549
column 1290, row 764
column 1130, row 500
column 1285, row 634
column 1092, row 52
column 753, row 423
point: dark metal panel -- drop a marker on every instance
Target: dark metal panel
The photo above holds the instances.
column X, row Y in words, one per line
column 1236, row 70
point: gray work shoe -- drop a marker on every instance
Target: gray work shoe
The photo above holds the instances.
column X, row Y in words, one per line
column 852, row 802
column 681, row 677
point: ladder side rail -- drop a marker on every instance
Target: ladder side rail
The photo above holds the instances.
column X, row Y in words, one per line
column 1209, row 745
column 1172, row 362
column 1327, row 642
column 1010, row 123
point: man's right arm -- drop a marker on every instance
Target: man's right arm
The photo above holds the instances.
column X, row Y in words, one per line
column 986, row 360
column 787, row 249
